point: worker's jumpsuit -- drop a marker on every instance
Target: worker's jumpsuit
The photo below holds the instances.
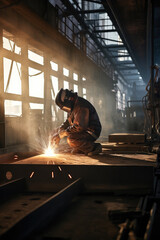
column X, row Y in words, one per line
column 83, row 126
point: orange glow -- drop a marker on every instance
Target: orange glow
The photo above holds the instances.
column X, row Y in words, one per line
column 69, row 175
column 60, row 169
column 52, row 174
column 31, row 174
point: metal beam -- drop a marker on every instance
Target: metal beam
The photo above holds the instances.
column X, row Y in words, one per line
column 109, row 39
column 7, row 190
column 118, row 56
column 126, row 68
column 92, row 11
column 2, row 112
column 90, row 33
column 132, row 74
column 118, row 46
column 109, row 10
column 98, row 2
column 103, row 31
column 42, row 214
column 121, row 63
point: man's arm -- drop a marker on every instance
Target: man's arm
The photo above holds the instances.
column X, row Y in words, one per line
column 61, row 132
column 81, row 121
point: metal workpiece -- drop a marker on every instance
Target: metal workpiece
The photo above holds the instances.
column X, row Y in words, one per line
column 38, row 216
column 97, row 178
column 12, row 188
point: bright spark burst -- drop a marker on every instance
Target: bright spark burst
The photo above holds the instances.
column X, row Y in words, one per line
column 49, row 151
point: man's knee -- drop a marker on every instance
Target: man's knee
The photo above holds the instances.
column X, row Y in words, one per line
column 74, row 141
column 71, row 141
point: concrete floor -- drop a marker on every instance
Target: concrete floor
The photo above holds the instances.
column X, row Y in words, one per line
column 88, row 218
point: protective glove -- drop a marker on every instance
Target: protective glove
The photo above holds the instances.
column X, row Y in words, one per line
column 55, row 139
column 63, row 134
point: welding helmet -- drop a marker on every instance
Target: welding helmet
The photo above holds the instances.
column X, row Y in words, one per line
column 65, row 99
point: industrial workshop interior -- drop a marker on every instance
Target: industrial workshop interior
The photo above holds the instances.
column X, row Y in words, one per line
column 107, row 54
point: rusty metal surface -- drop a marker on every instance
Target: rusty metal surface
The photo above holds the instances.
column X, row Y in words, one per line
column 27, row 213
column 12, row 188
column 127, row 137
column 101, row 159
column 105, row 178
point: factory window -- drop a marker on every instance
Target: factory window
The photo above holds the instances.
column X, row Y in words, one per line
column 54, row 66
column 13, row 108
column 119, row 100
column 123, row 52
column 53, row 113
column 129, row 102
column 36, row 106
column 66, row 85
column 11, row 46
column 65, row 72
column 75, row 76
column 35, row 57
column 84, row 92
column 54, row 89
column 134, row 114
column 12, row 76
column 65, row 115
column 75, row 88
column 124, row 101
column 83, row 79
column 36, row 83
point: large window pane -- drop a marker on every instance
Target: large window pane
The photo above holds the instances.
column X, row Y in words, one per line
column 84, row 93
column 12, row 76
column 66, row 85
column 35, row 57
column 36, row 109
column 54, row 66
column 10, row 44
column 13, row 108
column 36, row 83
column 65, row 72
column 75, row 77
column 36, row 106
column 75, row 87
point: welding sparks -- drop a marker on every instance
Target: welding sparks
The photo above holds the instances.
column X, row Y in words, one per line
column 52, row 174
column 60, row 169
column 31, row 174
column 49, row 151
column 69, row 175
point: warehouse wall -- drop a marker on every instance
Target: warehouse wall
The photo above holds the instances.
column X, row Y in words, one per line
column 23, row 29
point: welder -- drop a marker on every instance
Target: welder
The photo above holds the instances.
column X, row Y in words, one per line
column 82, row 126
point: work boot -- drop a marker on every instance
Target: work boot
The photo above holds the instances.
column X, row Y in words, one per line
column 76, row 151
column 97, row 149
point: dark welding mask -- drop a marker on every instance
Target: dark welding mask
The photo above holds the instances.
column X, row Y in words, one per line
column 65, row 99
